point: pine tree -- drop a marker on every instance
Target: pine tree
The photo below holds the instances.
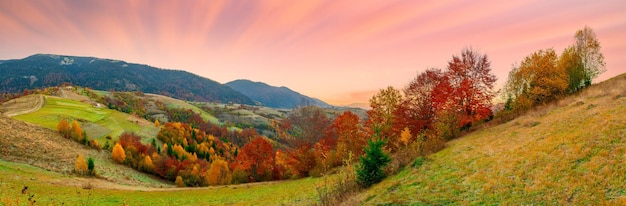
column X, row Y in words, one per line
column 370, row 170
column 91, row 166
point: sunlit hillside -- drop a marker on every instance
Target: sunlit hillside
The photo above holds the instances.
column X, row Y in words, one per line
column 568, row 152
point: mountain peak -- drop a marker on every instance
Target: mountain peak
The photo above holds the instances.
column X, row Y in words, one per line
column 272, row 96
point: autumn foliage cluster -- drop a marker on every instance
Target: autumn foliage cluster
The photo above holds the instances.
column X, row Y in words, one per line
column 544, row 76
column 76, row 133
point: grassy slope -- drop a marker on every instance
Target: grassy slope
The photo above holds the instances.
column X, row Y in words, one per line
column 34, row 145
column 176, row 103
column 48, row 189
column 98, row 122
column 569, row 152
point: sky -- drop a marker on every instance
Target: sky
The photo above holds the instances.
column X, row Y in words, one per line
column 340, row 51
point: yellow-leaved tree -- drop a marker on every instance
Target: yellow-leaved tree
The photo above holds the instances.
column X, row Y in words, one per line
column 537, row 80
column 76, row 131
column 219, row 174
column 118, row 153
column 81, row 165
column 406, row 136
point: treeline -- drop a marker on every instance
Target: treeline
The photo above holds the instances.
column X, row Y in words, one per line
column 544, row 76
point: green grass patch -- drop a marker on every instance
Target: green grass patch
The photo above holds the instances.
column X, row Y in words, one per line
column 99, row 122
column 47, row 189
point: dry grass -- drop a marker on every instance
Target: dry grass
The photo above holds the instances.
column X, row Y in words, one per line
column 41, row 147
column 568, row 152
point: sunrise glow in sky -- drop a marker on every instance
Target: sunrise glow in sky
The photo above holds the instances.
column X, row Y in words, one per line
column 337, row 50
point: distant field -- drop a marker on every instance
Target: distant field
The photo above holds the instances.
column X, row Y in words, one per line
column 48, row 188
column 176, row 103
column 97, row 122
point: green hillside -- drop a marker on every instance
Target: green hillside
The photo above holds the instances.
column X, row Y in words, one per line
column 98, row 122
column 569, row 152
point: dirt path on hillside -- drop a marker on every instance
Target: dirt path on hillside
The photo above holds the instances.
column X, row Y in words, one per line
column 23, row 105
column 105, row 184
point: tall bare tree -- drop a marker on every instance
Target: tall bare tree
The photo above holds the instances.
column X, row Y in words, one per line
column 588, row 48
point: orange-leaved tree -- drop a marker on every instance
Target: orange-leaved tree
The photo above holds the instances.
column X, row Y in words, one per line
column 350, row 138
column 64, row 128
column 257, row 158
column 381, row 117
column 219, row 174
column 76, row 131
column 118, row 153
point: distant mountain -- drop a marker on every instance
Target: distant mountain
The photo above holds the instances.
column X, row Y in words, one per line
column 365, row 106
column 45, row 70
column 275, row 97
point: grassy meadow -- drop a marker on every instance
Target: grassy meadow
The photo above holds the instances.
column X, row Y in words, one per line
column 97, row 122
column 49, row 188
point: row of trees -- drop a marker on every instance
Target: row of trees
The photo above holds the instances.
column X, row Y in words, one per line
column 544, row 76
column 76, row 133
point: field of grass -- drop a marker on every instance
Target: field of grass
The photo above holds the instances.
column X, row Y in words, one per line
column 176, row 103
column 97, row 122
column 570, row 152
column 48, row 188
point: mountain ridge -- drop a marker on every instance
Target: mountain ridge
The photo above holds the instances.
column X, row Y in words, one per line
column 273, row 96
column 45, row 70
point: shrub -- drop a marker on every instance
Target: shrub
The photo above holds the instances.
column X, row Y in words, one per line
column 370, row 170
column 179, row 181
column 240, row 176
column 418, row 162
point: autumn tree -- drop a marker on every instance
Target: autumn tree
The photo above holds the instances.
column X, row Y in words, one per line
column 157, row 123
column 179, row 181
column 538, row 79
column 218, row 173
column 147, row 165
column 64, row 128
column 350, row 139
column 405, row 136
column 118, row 153
column 418, row 110
column 306, row 124
column 571, row 63
column 257, row 158
column 81, row 165
column 588, row 49
column 76, row 132
column 381, row 117
column 472, row 83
